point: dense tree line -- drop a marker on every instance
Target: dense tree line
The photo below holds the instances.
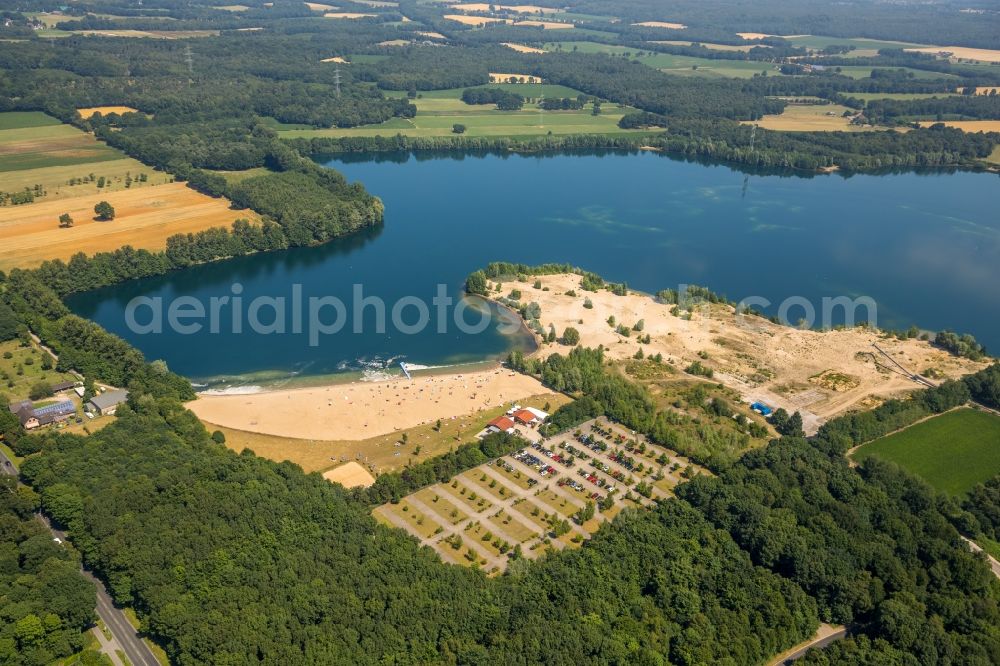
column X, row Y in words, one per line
column 964, row 107
column 983, row 502
column 725, row 141
column 45, row 602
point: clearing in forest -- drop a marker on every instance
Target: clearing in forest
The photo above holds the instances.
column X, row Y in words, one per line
column 661, row 24
column 553, row 494
column 952, row 452
column 811, row 118
column 105, row 110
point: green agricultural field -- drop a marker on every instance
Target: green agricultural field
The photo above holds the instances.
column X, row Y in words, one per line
column 38, row 150
column 237, row 176
column 674, row 64
column 35, row 140
column 23, row 119
column 870, row 96
column 862, row 46
column 438, row 111
column 952, row 452
column 866, row 72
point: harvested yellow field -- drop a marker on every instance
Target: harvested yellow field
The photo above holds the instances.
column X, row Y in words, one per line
column 967, row 125
column 513, row 78
column 350, row 475
column 395, row 42
column 545, row 25
column 521, row 48
column 431, row 35
column 715, row 47
column 474, row 20
column 317, row 7
column 981, row 90
column 961, row 52
column 347, row 15
column 336, row 59
column 233, row 8
column 517, row 9
column 661, row 24
column 56, row 179
column 809, row 118
column 753, row 35
column 105, row 110
column 145, row 218
column 376, row 3
column 151, row 34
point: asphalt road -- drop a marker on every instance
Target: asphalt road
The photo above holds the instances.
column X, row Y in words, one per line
column 136, row 651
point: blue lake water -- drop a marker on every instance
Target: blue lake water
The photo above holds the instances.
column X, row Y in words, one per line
column 924, row 246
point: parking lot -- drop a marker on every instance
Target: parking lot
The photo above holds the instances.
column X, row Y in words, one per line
column 552, row 494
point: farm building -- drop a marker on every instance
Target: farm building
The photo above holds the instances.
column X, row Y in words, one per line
column 107, row 403
column 32, row 418
column 63, row 386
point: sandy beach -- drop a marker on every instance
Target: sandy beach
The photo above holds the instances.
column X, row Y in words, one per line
column 363, row 410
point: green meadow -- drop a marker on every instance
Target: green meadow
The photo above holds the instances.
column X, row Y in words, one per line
column 438, row 111
column 34, row 140
column 674, row 64
column 952, row 452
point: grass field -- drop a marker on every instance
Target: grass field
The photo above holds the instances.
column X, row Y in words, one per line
column 439, row 110
column 811, row 118
column 952, row 452
column 34, row 140
column 866, row 72
column 994, row 158
column 675, row 64
column 23, row 370
column 863, row 47
column 870, row 96
column 37, row 150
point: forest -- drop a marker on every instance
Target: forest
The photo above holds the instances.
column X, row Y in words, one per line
column 45, row 602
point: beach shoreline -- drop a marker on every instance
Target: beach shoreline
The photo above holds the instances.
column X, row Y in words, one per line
column 361, row 410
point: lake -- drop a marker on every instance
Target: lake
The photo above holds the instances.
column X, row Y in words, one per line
column 924, row 246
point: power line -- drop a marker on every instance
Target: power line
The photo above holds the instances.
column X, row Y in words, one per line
column 189, row 59
column 336, row 80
